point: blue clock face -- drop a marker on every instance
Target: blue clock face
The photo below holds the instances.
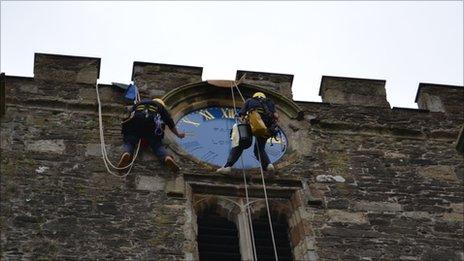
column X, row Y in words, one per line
column 208, row 138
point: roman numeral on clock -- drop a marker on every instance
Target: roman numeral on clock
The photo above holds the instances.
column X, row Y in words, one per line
column 227, row 113
column 210, row 155
column 187, row 120
column 205, row 113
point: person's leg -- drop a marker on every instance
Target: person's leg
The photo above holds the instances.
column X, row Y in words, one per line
column 157, row 147
column 156, row 144
column 234, row 155
column 260, row 146
column 130, row 140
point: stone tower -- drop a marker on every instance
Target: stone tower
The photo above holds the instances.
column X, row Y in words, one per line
column 356, row 179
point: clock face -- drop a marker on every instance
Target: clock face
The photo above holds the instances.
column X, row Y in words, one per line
column 208, row 138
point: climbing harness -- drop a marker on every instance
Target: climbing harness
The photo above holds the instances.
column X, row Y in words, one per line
column 106, row 160
column 246, row 189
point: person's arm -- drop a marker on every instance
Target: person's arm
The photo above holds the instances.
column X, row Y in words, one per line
column 273, row 111
column 170, row 123
column 276, row 116
column 178, row 133
column 129, row 108
column 244, row 108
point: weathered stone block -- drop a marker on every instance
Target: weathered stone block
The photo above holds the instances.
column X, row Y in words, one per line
column 346, row 217
column 417, row 215
column 453, row 217
column 150, row 183
column 353, row 91
column 65, row 68
column 438, row 172
column 338, row 204
column 2, row 94
column 156, row 79
column 377, row 206
column 440, row 98
column 175, row 187
column 93, row 150
column 281, row 83
column 46, row 146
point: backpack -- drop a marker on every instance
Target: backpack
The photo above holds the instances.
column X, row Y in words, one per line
column 270, row 125
column 149, row 112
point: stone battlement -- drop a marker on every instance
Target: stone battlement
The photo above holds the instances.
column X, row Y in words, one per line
column 155, row 80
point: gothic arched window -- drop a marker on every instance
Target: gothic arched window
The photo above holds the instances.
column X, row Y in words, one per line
column 217, row 237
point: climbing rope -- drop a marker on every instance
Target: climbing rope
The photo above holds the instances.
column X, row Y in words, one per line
column 248, row 211
column 264, row 188
column 106, row 160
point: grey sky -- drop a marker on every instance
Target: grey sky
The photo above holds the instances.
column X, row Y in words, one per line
column 402, row 42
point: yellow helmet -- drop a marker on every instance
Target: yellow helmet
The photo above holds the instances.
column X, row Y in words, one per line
column 158, row 100
column 259, row 95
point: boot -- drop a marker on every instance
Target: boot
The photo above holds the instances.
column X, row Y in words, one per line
column 171, row 164
column 125, row 160
column 270, row 169
column 224, row 170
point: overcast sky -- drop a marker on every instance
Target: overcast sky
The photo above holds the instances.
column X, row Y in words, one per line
column 403, row 43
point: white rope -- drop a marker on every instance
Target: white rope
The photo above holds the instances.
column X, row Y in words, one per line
column 267, row 204
column 264, row 188
column 106, row 160
column 248, row 211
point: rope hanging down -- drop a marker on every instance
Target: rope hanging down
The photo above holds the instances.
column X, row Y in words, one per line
column 264, row 189
column 106, row 160
column 248, row 211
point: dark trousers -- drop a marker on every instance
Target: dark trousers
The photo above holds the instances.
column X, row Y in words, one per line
column 260, row 146
column 156, row 144
column 139, row 127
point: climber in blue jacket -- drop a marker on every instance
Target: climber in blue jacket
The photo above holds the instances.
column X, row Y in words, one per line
column 148, row 120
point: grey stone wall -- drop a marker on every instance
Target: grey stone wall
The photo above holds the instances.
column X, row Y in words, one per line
column 382, row 184
column 57, row 200
column 402, row 198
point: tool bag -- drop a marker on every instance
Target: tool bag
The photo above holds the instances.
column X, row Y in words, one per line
column 258, row 128
column 245, row 136
column 241, row 136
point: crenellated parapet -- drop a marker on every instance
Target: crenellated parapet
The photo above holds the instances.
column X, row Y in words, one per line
column 353, row 91
column 65, row 68
column 72, row 77
column 440, row 98
column 156, row 79
column 281, row 83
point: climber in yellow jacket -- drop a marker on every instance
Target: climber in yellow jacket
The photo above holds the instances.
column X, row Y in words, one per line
column 266, row 109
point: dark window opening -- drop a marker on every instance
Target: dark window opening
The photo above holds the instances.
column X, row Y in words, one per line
column 217, row 237
column 263, row 239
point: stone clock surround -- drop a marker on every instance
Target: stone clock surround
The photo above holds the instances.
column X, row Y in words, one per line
column 191, row 97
